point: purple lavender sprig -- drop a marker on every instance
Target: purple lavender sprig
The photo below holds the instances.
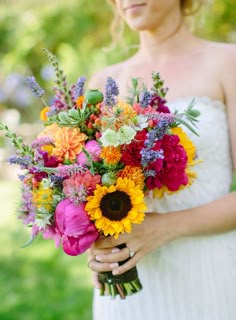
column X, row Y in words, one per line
column 37, row 91
column 111, row 92
column 35, row 88
column 79, row 88
column 24, row 162
column 148, row 156
column 145, row 99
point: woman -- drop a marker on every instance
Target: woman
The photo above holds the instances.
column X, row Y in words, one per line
column 186, row 247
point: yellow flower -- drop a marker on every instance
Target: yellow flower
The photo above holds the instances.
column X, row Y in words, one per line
column 111, row 155
column 42, row 198
column 79, row 102
column 115, row 208
column 43, row 113
column 133, row 173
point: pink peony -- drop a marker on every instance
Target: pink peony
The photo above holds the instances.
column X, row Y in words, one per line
column 77, row 232
column 93, row 148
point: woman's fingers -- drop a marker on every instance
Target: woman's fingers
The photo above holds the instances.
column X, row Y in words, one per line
column 102, row 267
column 132, row 262
column 115, row 255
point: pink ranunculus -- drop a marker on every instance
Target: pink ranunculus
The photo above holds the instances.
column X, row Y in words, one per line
column 93, row 148
column 77, row 232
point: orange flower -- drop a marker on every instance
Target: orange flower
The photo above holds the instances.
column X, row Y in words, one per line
column 68, row 143
column 133, row 173
column 79, row 101
column 111, row 155
column 43, row 114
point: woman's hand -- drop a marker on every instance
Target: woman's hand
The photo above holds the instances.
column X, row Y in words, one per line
column 155, row 231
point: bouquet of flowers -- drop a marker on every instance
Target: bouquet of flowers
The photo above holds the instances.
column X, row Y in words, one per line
column 88, row 171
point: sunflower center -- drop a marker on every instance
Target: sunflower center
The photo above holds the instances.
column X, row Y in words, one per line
column 115, row 205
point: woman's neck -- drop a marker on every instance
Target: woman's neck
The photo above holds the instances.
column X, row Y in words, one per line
column 165, row 41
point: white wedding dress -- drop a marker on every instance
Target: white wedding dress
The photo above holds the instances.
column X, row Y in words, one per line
column 191, row 278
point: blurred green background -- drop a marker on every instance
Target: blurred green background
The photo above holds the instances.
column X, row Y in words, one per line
column 40, row 282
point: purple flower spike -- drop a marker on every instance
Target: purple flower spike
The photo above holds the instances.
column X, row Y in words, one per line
column 79, row 88
column 37, row 91
column 111, row 92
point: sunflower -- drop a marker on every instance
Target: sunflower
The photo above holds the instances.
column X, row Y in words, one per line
column 115, row 208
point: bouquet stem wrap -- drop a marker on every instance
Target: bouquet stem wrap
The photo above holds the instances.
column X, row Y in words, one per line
column 123, row 285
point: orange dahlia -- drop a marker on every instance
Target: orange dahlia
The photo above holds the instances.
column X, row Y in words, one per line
column 111, row 155
column 133, row 173
column 68, row 143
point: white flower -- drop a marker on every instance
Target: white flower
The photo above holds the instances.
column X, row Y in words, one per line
column 126, row 134
column 142, row 122
column 109, row 138
column 43, row 220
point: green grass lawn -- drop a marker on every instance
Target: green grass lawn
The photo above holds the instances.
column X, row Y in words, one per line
column 39, row 282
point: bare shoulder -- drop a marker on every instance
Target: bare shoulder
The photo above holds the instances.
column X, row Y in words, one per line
column 224, row 54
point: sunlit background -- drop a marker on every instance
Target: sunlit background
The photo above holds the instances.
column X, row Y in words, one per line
column 40, row 282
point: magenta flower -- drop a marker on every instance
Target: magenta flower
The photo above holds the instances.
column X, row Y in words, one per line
column 93, row 148
column 77, row 232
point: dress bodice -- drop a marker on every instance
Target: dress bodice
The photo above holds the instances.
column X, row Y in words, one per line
column 191, row 277
column 214, row 172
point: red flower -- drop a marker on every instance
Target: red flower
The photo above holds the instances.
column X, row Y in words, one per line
column 131, row 153
column 172, row 173
column 159, row 104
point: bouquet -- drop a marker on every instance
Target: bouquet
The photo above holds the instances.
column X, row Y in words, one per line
column 88, row 171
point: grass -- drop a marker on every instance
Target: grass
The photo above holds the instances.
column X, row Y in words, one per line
column 39, row 282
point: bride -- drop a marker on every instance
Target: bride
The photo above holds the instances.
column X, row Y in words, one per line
column 186, row 247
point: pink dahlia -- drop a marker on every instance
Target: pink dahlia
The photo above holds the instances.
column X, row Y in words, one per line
column 77, row 232
column 93, row 148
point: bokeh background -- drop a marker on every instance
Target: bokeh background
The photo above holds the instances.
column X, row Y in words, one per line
column 40, row 282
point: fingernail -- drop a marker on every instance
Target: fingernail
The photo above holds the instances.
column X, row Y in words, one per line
column 98, row 258
column 115, row 272
column 115, row 250
column 113, row 265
